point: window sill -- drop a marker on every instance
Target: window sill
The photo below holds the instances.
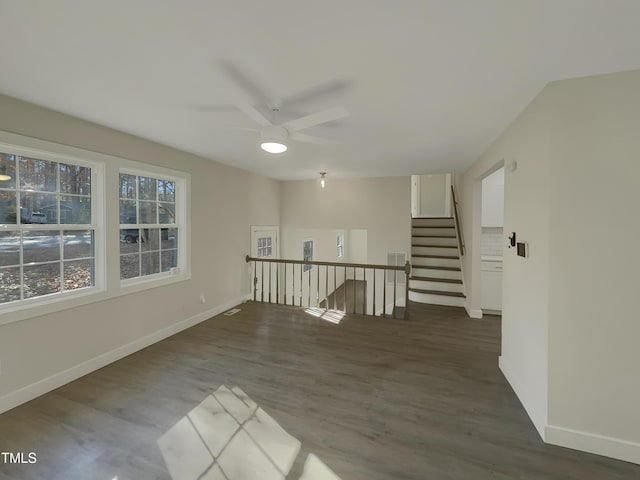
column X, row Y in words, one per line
column 60, row 302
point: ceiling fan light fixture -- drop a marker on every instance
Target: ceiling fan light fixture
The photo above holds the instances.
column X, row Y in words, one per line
column 273, row 139
column 273, row 147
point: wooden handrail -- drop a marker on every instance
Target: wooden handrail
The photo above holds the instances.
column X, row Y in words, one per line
column 365, row 268
column 406, row 268
column 457, row 218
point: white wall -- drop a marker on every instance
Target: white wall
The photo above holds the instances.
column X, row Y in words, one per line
column 433, row 191
column 594, row 331
column 381, row 206
column 225, row 201
column 570, row 333
column 525, row 282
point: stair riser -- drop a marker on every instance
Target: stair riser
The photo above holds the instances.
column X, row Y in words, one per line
column 436, row 299
column 449, row 242
column 427, row 272
column 419, row 262
column 433, row 231
column 447, row 252
column 432, row 222
column 438, row 286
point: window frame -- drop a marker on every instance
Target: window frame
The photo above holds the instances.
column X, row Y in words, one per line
column 39, row 150
column 306, row 267
column 105, row 220
column 180, row 201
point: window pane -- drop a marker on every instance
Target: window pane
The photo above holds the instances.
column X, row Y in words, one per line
column 169, row 238
column 150, row 263
column 8, row 213
column 9, row 284
column 169, row 259
column 127, row 186
column 75, row 179
column 40, row 246
column 78, row 244
column 147, row 188
column 167, row 213
column 150, row 239
column 166, row 191
column 41, row 279
column 9, row 248
column 38, row 207
column 129, row 266
column 128, row 211
column 38, row 175
column 129, row 240
column 7, row 169
column 76, row 210
column 78, row 274
column 148, row 212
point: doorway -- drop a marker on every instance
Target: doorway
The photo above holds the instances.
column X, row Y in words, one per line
column 431, row 195
column 491, row 240
column 264, row 245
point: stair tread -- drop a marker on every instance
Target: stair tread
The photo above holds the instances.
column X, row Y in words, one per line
column 431, row 218
column 434, row 246
column 438, row 292
column 432, row 226
column 435, row 267
column 433, row 236
column 436, row 256
column 433, row 279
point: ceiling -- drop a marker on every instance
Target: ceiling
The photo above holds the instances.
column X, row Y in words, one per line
column 429, row 84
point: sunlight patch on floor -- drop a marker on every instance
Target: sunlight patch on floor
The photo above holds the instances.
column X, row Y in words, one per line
column 229, row 437
column 333, row 316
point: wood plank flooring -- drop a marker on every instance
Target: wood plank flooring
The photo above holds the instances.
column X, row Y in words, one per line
column 372, row 398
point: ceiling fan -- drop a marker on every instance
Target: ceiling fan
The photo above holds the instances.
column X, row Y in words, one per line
column 274, row 137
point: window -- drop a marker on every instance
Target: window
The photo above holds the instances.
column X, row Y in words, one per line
column 264, row 247
column 149, row 232
column 340, row 241
column 307, row 255
column 47, row 235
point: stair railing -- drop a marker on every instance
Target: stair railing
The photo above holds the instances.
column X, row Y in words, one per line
column 457, row 219
column 274, row 282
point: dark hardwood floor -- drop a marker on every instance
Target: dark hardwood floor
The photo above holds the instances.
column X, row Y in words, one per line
column 372, row 398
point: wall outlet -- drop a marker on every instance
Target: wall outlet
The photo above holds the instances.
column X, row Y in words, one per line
column 203, row 299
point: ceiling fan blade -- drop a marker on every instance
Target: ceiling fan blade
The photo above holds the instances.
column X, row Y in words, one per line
column 301, row 137
column 321, row 90
column 249, row 110
column 315, row 119
column 243, row 90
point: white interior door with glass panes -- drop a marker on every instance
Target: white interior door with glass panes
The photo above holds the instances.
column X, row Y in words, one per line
column 264, row 275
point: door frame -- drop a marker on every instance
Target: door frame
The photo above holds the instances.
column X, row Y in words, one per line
column 415, row 197
column 254, row 235
column 254, row 229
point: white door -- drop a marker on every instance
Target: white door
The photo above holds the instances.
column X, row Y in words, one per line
column 264, row 244
column 431, row 195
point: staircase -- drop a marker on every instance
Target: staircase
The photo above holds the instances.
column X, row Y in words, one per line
column 436, row 276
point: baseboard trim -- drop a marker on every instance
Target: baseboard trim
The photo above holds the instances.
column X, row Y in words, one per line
column 538, row 420
column 25, row 394
column 473, row 312
column 593, row 443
